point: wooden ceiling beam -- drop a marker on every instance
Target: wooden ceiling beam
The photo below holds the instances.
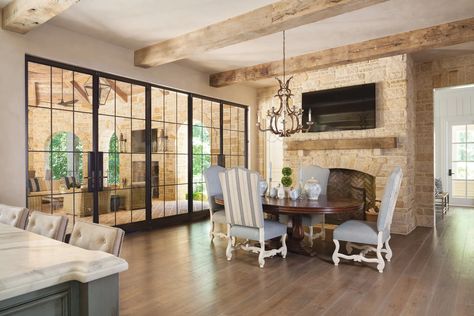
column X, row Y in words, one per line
column 21, row 16
column 408, row 42
column 272, row 18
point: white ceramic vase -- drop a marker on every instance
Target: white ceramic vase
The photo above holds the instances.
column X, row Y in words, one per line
column 281, row 192
column 312, row 189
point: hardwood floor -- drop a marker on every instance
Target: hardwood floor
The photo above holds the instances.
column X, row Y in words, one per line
column 177, row 271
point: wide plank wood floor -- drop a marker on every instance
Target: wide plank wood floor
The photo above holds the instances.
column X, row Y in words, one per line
column 177, row 271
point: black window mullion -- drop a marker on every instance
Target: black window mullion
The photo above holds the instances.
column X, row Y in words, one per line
column 148, row 155
column 190, row 153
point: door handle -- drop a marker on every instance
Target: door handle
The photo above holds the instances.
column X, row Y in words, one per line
column 450, row 172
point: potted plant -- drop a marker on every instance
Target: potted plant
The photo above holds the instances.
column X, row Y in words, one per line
column 286, row 180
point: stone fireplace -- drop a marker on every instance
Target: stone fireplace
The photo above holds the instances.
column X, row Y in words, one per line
column 374, row 152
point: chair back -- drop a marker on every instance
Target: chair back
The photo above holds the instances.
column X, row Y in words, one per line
column 51, row 226
column 320, row 174
column 13, row 216
column 97, row 237
column 389, row 200
column 242, row 200
column 213, row 185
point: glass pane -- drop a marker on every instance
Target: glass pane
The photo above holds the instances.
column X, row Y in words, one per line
column 170, row 169
column 459, row 133
column 106, row 131
column 122, row 94
column 234, row 124
column 82, row 98
column 170, row 107
column 157, row 166
column 215, row 141
column 182, row 106
column 182, row 139
column 124, row 134
column 138, row 136
column 226, row 117
column 459, row 188
column 470, row 170
column 182, row 201
column 459, row 152
column 182, row 169
column 227, row 142
column 241, row 126
column 197, row 111
column 62, row 89
column 470, row 133
column 158, row 203
column 138, row 102
column 470, row 152
column 170, row 131
column 170, row 195
column 39, row 128
column 459, row 170
column 157, row 103
column 83, row 130
column 107, row 103
column 39, row 85
column 216, row 115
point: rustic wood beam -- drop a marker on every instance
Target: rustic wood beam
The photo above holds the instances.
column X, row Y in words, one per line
column 272, row 18
column 21, row 16
column 339, row 144
column 408, row 42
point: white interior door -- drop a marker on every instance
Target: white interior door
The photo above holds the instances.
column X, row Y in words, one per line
column 460, row 162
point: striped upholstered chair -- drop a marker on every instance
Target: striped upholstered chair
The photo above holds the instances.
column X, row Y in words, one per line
column 369, row 233
column 244, row 214
column 213, row 187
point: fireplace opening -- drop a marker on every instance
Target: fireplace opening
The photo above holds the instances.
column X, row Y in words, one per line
column 348, row 183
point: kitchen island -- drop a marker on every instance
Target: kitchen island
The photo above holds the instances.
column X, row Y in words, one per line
column 42, row 276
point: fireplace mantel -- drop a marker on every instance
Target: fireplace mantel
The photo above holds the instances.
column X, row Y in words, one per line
column 347, row 143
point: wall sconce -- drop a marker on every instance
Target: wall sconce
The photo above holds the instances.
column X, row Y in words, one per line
column 123, row 143
column 162, row 141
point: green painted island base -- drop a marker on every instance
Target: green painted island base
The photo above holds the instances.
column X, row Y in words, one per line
column 98, row 297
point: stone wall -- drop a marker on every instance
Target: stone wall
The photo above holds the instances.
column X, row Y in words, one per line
column 445, row 72
column 395, row 117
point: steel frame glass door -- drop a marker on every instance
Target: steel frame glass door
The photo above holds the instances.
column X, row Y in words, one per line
column 460, row 162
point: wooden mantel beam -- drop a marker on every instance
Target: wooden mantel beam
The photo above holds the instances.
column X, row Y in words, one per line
column 21, row 16
column 272, row 18
column 408, row 42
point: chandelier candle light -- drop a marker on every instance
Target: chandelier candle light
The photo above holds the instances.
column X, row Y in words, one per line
column 286, row 120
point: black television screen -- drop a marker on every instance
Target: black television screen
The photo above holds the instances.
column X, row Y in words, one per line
column 347, row 108
column 138, row 140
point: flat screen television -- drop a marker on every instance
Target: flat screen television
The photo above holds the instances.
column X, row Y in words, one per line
column 138, row 140
column 340, row 109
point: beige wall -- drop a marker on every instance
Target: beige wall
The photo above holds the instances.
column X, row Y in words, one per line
column 65, row 46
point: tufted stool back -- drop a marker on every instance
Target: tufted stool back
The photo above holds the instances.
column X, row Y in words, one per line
column 13, row 216
column 51, row 226
column 97, row 237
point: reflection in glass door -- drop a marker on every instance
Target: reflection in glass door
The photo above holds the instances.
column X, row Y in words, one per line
column 461, row 164
column 121, row 142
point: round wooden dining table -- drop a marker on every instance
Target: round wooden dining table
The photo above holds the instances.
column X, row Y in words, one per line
column 299, row 207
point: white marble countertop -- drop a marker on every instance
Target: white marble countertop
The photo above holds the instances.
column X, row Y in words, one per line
column 29, row 262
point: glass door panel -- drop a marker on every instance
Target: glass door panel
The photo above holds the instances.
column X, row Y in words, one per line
column 461, row 164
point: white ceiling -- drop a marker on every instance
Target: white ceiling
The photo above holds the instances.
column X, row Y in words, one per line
column 138, row 23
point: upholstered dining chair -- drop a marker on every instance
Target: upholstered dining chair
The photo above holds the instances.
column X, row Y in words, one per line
column 51, row 226
column 322, row 175
column 244, row 214
column 97, row 237
column 216, row 211
column 13, row 216
column 369, row 233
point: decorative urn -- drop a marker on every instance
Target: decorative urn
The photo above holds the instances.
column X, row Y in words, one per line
column 312, row 189
column 262, row 186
